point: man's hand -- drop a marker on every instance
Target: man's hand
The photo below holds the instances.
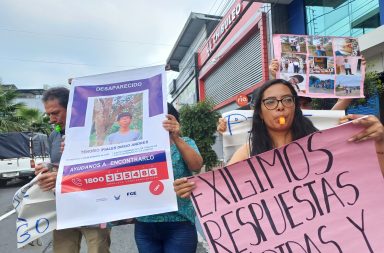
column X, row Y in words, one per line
column 47, row 181
column 40, row 168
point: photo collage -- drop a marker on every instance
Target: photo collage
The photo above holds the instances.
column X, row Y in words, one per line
column 320, row 66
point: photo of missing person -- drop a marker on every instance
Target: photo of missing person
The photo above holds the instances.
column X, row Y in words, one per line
column 348, row 65
column 320, row 46
column 117, row 119
column 321, row 65
column 293, row 44
column 346, row 47
column 348, row 85
column 322, row 84
column 293, row 63
column 298, row 81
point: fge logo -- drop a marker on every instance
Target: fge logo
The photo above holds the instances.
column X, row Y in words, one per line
column 131, row 194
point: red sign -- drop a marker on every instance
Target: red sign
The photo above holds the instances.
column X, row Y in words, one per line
column 242, row 100
column 115, row 177
column 223, row 27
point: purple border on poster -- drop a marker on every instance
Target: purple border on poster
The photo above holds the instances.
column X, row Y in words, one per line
column 82, row 93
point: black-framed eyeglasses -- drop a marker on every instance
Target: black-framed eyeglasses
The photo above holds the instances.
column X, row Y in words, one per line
column 273, row 103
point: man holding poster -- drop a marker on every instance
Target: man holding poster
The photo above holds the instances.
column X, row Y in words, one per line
column 300, row 197
column 67, row 240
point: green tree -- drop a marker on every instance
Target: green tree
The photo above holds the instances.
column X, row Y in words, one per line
column 199, row 122
column 9, row 120
column 34, row 120
column 16, row 117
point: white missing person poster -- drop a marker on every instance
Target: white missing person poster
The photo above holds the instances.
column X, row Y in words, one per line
column 116, row 162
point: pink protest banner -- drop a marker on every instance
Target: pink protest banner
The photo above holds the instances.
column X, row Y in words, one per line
column 318, row 194
column 321, row 66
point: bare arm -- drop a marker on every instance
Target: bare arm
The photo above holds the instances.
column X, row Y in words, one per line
column 241, row 154
column 342, row 104
column 192, row 159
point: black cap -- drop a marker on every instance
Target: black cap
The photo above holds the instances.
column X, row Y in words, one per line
column 299, row 77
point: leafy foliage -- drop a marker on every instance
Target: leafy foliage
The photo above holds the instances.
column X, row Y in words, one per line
column 198, row 122
column 9, row 120
column 16, row 117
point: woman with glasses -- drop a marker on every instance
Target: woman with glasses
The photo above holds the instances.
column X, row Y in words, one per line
column 278, row 120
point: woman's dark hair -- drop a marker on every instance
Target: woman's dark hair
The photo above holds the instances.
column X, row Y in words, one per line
column 172, row 110
column 59, row 93
column 260, row 140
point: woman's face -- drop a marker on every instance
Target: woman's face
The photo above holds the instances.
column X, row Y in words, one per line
column 285, row 107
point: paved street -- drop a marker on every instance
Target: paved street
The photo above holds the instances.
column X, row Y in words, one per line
column 122, row 236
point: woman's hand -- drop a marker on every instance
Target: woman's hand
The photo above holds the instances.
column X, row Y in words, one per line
column 172, row 126
column 274, row 68
column 222, row 126
column 183, row 188
column 373, row 128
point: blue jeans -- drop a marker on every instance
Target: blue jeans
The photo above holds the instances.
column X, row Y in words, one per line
column 166, row 237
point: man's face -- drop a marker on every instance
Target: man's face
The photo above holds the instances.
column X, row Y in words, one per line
column 125, row 121
column 56, row 113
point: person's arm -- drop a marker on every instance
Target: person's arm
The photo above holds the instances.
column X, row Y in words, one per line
column 222, row 126
column 192, row 159
column 373, row 130
column 274, row 68
column 241, row 154
column 342, row 104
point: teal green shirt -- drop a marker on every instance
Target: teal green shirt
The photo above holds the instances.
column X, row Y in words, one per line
column 180, row 169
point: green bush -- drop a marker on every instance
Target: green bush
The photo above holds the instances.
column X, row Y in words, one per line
column 198, row 122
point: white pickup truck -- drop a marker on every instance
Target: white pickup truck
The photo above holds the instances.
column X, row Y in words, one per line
column 19, row 152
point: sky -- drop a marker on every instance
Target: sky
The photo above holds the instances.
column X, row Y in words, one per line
column 48, row 41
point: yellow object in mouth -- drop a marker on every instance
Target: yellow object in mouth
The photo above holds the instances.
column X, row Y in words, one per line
column 282, row 120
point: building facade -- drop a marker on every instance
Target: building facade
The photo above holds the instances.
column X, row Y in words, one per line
column 230, row 59
column 183, row 58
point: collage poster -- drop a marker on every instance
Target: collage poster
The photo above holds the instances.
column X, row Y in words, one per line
column 321, row 66
column 116, row 161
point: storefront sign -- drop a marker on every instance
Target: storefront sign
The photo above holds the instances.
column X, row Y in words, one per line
column 242, row 100
column 223, row 28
